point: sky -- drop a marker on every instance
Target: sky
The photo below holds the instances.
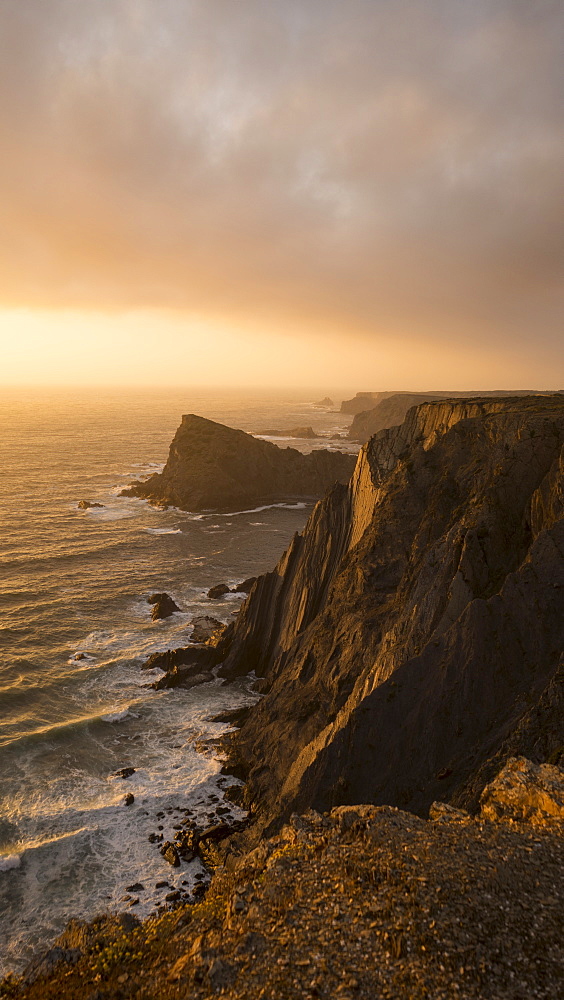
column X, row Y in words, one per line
column 309, row 192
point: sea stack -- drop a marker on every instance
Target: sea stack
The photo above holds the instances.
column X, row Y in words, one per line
column 214, row 467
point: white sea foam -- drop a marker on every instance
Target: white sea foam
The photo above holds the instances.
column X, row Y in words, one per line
column 164, row 531
column 116, row 716
column 10, row 861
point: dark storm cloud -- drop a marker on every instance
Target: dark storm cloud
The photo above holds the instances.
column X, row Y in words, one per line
column 370, row 164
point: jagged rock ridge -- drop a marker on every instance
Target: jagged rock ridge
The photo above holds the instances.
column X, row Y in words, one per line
column 408, row 633
column 213, row 467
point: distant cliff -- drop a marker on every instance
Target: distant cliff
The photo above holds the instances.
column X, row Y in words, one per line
column 213, row 467
column 365, row 402
column 415, row 628
column 387, row 413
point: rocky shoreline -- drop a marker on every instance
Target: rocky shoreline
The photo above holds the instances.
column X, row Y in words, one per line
column 408, row 648
column 453, row 906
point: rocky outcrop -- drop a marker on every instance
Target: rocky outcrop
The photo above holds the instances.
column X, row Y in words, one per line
column 408, row 632
column 213, row 467
column 205, row 628
column 327, row 403
column 523, row 791
column 294, row 432
column 87, row 504
column 163, row 606
column 364, row 901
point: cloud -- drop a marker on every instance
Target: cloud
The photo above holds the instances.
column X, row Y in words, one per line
column 381, row 168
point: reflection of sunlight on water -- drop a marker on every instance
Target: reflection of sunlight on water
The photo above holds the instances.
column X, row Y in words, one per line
column 92, row 572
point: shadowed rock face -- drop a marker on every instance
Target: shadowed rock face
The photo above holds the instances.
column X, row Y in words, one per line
column 213, row 467
column 411, row 632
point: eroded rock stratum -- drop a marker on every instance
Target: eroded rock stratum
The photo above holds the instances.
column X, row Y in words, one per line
column 411, row 638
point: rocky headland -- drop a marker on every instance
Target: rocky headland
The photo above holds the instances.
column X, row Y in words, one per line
column 365, row 402
column 213, row 467
column 401, row 769
column 414, row 631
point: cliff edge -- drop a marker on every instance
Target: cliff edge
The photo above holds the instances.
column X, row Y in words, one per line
column 213, row 467
column 415, row 629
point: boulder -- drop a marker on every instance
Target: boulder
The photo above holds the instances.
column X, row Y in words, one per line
column 205, row 628
column 170, row 853
column 163, row 606
column 524, row 791
column 218, row 591
column 128, row 799
column 124, row 772
column 87, row 504
column 245, row 587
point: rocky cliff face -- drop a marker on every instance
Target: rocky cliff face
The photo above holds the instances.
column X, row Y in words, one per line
column 363, row 401
column 391, row 408
column 387, row 413
column 414, row 629
column 213, row 467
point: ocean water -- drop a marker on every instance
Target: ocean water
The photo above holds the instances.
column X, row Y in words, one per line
column 78, row 581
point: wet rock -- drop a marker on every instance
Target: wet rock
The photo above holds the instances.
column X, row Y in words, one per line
column 79, row 656
column 163, row 885
column 205, row 628
column 524, row 791
column 218, row 591
column 128, row 799
column 235, row 716
column 189, row 658
column 176, row 678
column 136, row 887
column 163, row 606
column 124, row 772
column 170, row 853
column 236, row 795
column 87, row 504
column 245, row 587
column 171, row 897
column 216, row 833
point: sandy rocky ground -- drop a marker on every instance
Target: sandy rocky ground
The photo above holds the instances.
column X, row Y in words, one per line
column 363, row 902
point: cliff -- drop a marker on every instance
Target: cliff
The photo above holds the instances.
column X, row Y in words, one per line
column 365, row 403
column 387, row 413
column 213, row 467
column 415, row 628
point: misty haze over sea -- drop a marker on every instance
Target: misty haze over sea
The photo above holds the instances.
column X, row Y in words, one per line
column 78, row 581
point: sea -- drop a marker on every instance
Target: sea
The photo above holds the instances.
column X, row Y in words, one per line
column 75, row 629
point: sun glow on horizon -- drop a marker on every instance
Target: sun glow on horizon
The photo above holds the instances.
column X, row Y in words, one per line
column 166, row 347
